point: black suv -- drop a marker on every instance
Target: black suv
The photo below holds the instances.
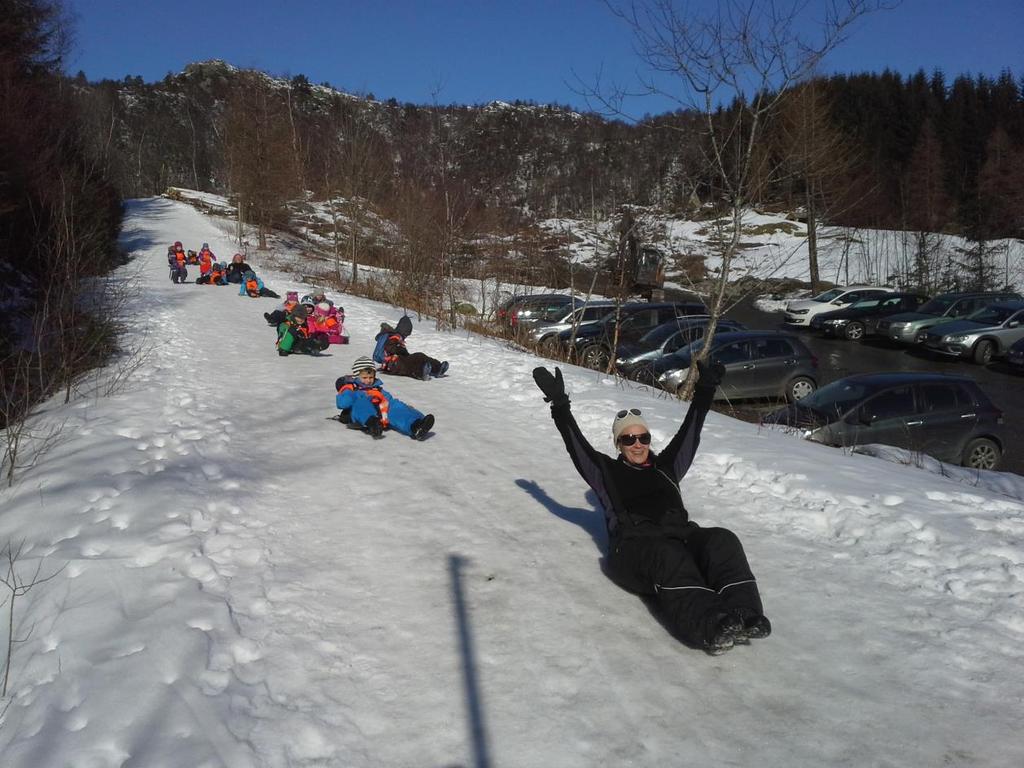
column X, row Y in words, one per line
column 592, row 345
column 947, row 417
column 859, row 319
column 635, row 358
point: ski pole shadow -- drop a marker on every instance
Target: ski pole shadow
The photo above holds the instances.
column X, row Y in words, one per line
column 474, row 699
column 590, row 520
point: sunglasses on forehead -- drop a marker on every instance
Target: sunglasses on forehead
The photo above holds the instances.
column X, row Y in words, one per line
column 632, row 411
column 645, row 439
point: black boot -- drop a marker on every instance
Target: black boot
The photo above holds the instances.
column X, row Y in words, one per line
column 374, row 428
column 721, row 634
column 755, row 625
column 421, row 427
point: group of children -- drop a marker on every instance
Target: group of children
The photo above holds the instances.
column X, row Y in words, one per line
column 310, row 324
column 213, row 272
column 307, row 325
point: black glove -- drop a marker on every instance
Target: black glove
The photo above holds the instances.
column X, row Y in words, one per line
column 553, row 387
column 709, row 375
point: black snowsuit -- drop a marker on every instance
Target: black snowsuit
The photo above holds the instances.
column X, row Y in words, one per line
column 236, row 270
column 696, row 574
column 398, row 360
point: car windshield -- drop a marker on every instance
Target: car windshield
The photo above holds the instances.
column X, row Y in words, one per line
column 827, row 296
column 555, row 312
column 658, row 336
column 991, row 315
column 838, row 397
column 865, row 304
column 937, row 306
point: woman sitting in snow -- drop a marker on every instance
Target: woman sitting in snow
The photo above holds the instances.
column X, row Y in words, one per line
column 364, row 404
column 396, row 359
column 699, row 577
column 237, row 268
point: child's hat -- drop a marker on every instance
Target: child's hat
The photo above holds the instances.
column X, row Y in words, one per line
column 362, row 363
column 292, row 296
column 323, row 308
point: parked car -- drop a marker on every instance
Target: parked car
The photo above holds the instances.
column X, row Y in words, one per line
column 909, row 328
column 502, row 310
column 944, row 416
column 530, row 309
column 859, row 319
column 980, row 336
column 1015, row 356
column 800, row 312
column 634, row 359
column 757, row 364
column 592, row 345
column 545, row 331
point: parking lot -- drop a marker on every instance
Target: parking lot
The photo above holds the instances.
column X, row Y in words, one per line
column 838, row 358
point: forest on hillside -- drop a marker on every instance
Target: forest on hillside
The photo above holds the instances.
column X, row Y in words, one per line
column 878, row 150
column 59, row 222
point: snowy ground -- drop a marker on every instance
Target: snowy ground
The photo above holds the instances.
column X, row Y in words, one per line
column 241, row 582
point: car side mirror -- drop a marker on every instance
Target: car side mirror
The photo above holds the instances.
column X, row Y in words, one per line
column 1013, row 324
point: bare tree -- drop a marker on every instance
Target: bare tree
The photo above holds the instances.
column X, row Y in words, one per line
column 17, row 586
column 261, row 152
column 817, row 158
column 734, row 64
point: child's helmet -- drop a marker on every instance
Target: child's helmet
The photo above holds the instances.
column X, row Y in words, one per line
column 206, row 245
column 250, row 275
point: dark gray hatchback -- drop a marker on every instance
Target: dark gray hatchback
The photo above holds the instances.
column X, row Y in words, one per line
column 944, row 416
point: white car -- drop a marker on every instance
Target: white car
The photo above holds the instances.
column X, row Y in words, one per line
column 800, row 312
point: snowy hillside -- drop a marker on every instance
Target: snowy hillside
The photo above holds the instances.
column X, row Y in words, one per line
column 239, row 581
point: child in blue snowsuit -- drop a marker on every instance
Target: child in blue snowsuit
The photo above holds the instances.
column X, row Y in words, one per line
column 365, row 404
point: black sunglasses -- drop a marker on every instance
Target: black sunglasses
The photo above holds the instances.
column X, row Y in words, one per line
column 622, row 414
column 645, row 439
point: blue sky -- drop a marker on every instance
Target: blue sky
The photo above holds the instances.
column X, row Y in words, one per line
column 476, row 51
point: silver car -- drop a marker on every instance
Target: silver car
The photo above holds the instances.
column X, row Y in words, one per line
column 980, row 336
column 545, row 331
column 910, row 327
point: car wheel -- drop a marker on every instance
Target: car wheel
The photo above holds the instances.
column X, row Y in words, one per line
column 799, row 388
column 855, row 331
column 983, row 352
column 981, row 453
column 595, row 356
column 549, row 345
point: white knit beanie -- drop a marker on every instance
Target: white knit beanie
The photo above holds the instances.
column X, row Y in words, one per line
column 630, row 419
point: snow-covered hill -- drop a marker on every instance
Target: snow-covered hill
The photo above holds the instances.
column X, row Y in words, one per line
column 241, row 582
